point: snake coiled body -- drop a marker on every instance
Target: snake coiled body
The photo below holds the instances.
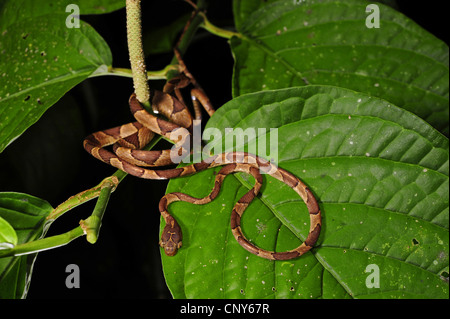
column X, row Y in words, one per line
column 127, row 141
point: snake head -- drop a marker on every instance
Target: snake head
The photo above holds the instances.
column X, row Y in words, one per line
column 171, row 238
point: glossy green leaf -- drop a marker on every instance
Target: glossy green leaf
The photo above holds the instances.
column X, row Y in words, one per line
column 27, row 216
column 16, row 10
column 41, row 59
column 243, row 9
column 380, row 174
column 327, row 42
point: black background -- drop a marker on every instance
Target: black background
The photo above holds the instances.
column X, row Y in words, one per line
column 48, row 161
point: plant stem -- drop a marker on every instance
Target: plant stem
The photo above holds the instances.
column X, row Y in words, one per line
column 112, row 182
column 43, row 244
column 91, row 226
column 216, row 30
column 151, row 75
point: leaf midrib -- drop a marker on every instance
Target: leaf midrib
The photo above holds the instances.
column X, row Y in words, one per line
column 84, row 72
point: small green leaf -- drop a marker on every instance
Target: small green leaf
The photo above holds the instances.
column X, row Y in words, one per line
column 42, row 59
column 327, row 42
column 7, row 234
column 380, row 174
column 16, row 10
column 26, row 215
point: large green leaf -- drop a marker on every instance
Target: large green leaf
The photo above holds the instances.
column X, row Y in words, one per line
column 42, row 59
column 380, row 174
column 327, row 42
column 26, row 215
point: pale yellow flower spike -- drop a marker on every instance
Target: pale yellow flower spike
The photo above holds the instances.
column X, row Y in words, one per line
column 136, row 51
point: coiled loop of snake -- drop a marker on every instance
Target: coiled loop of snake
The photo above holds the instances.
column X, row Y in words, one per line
column 128, row 139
